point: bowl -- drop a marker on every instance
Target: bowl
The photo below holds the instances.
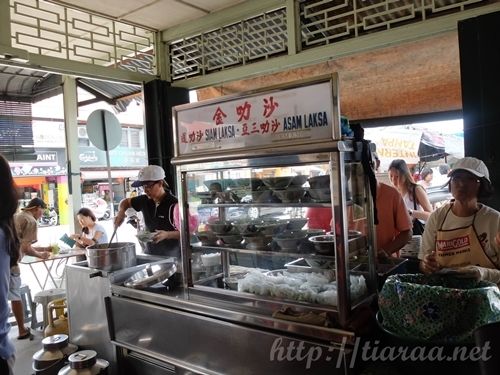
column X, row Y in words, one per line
column 277, row 183
column 320, row 195
column 145, row 236
column 290, row 195
column 220, row 227
column 231, row 239
column 296, row 224
column 324, row 244
column 247, row 183
column 269, row 227
column 319, row 182
column 298, row 181
column 289, row 240
column 207, row 238
column 256, row 241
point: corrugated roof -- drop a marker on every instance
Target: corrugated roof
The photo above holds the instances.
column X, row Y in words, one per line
column 27, row 85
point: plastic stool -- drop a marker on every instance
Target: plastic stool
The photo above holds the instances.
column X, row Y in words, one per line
column 43, row 298
column 27, row 304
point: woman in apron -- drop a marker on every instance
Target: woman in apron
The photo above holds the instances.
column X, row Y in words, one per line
column 464, row 234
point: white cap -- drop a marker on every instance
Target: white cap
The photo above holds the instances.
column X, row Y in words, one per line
column 149, row 173
column 472, row 165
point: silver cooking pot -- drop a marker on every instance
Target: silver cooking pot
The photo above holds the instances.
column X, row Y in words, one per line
column 111, row 257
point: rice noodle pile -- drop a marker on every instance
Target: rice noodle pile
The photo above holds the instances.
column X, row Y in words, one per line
column 299, row 286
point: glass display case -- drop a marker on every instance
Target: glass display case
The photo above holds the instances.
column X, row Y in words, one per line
column 276, row 232
column 290, row 233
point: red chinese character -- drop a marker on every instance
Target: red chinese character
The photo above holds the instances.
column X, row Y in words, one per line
column 243, row 111
column 255, row 129
column 265, row 127
column 269, row 106
column 244, row 129
column 183, row 138
column 219, row 116
column 275, row 124
column 199, row 135
column 191, row 137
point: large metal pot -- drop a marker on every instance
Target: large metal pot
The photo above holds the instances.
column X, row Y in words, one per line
column 114, row 257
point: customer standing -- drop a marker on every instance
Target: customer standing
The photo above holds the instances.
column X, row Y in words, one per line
column 427, row 175
column 9, row 254
column 157, row 206
column 414, row 195
column 27, row 231
column 92, row 232
column 464, row 234
column 394, row 223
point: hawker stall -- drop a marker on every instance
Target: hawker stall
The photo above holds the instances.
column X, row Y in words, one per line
column 281, row 265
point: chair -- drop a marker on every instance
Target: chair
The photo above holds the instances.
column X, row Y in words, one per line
column 43, row 298
column 27, row 305
column 489, row 334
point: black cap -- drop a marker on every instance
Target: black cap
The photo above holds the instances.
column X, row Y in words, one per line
column 35, row 202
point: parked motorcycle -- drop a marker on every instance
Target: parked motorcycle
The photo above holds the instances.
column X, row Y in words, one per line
column 49, row 217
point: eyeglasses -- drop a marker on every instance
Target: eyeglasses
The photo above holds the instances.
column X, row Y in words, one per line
column 465, row 179
column 149, row 185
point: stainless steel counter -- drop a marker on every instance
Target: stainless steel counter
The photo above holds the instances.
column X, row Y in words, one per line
column 86, row 290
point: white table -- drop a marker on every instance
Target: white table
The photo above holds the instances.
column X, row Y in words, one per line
column 52, row 266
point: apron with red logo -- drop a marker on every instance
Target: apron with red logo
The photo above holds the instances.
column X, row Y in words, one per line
column 460, row 247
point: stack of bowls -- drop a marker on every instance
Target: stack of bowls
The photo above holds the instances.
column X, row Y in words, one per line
column 226, row 232
column 290, row 240
column 320, row 188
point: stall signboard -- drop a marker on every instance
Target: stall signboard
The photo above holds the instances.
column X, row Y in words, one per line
column 299, row 114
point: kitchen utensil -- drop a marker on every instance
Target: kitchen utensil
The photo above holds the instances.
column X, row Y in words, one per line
column 113, row 235
column 153, row 273
column 50, row 359
column 111, row 257
column 323, row 244
column 85, row 362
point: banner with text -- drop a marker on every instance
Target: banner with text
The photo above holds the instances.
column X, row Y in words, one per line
column 296, row 114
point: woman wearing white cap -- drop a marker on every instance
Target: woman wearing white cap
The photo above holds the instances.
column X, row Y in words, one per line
column 464, row 234
column 157, row 206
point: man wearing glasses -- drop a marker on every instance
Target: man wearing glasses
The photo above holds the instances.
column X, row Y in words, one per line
column 465, row 233
column 157, row 206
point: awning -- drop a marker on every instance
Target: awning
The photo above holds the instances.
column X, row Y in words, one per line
column 102, row 175
column 27, row 85
column 29, row 181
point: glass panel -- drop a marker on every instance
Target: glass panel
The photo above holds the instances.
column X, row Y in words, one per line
column 268, row 231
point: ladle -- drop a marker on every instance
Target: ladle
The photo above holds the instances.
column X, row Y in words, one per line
column 112, row 236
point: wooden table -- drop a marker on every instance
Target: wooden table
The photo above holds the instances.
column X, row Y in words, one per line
column 57, row 260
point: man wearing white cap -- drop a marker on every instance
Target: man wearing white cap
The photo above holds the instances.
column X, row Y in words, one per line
column 464, row 233
column 157, row 207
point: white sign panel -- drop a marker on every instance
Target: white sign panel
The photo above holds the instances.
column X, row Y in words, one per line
column 395, row 143
column 297, row 114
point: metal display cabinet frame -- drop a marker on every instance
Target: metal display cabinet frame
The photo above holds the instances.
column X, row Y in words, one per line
column 203, row 314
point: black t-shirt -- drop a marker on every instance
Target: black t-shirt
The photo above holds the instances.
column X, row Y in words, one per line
column 158, row 217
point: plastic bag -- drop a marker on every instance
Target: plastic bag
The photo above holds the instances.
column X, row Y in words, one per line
column 437, row 308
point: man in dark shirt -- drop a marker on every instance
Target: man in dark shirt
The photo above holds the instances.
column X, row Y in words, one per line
column 157, row 206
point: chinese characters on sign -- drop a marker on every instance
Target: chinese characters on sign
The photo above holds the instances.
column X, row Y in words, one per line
column 299, row 113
